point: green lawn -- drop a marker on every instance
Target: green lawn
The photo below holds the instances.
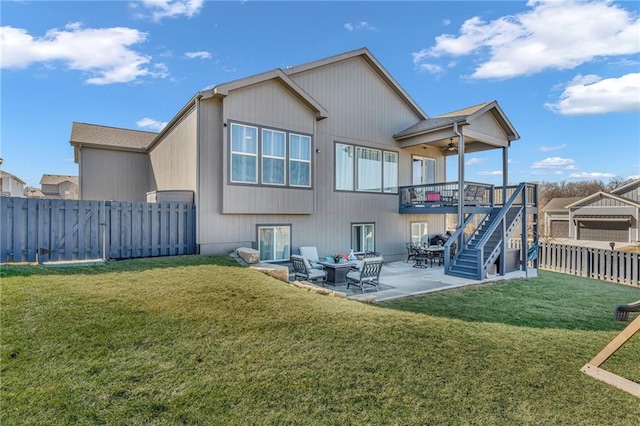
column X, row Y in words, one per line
column 198, row 340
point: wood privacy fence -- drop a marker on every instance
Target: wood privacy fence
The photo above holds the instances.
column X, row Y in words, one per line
column 601, row 264
column 53, row 230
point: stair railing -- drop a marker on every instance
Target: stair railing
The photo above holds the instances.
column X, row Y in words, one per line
column 457, row 238
column 501, row 228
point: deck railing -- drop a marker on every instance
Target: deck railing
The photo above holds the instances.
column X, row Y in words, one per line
column 447, row 194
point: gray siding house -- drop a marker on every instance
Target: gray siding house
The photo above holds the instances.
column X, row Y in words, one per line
column 333, row 154
column 603, row 216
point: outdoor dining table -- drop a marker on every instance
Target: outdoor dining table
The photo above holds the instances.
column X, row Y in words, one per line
column 337, row 272
column 427, row 253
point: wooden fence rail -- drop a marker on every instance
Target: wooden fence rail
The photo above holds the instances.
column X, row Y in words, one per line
column 601, row 264
column 53, row 230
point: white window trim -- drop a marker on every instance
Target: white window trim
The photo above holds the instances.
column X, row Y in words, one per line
column 242, row 154
column 362, row 225
column 274, row 227
column 263, row 156
column 354, row 169
column 298, row 160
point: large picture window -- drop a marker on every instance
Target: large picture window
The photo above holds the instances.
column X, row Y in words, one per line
column 362, row 237
column 244, row 154
column 274, row 242
column 364, row 169
column 299, row 160
column 260, row 155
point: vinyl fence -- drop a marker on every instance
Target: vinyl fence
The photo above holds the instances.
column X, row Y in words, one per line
column 606, row 265
column 54, row 230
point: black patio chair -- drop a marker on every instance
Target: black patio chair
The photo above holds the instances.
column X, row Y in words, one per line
column 368, row 274
column 303, row 270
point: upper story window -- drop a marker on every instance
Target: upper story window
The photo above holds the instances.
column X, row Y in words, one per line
column 273, row 157
column 244, row 154
column 269, row 157
column 365, row 169
column 299, row 160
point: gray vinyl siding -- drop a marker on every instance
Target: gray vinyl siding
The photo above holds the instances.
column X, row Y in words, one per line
column 173, row 158
column 113, row 175
column 487, row 126
column 362, row 111
column 602, row 210
column 269, row 105
column 211, row 166
column 360, row 105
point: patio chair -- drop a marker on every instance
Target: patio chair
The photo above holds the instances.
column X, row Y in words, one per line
column 303, row 270
column 368, row 274
column 412, row 251
column 311, row 253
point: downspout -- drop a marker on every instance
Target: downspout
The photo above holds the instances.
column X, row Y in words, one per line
column 505, row 173
column 196, row 199
column 460, row 175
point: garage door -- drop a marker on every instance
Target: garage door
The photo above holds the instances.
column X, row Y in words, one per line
column 604, row 231
column 560, row 229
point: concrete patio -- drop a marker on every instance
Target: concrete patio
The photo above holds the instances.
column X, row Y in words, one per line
column 401, row 279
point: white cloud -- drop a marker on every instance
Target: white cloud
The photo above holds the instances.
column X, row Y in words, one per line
column 545, row 148
column 475, row 161
column 491, row 173
column 362, row 25
column 550, row 34
column 446, row 22
column 553, row 163
column 161, row 9
column 201, row 55
column 591, row 175
column 591, row 94
column 151, row 124
column 547, row 172
column 431, row 68
column 103, row 53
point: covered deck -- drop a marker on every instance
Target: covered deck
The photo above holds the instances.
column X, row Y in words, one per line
column 445, row 198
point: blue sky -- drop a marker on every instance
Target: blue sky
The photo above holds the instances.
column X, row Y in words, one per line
column 566, row 73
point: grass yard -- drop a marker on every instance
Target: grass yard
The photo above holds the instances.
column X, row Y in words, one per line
column 198, row 340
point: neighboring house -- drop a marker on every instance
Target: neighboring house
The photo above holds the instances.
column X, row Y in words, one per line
column 312, row 155
column 59, row 186
column 556, row 217
column 11, row 185
column 33, row 192
column 603, row 216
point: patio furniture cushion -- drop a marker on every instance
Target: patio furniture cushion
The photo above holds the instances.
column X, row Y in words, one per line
column 303, row 270
column 311, row 253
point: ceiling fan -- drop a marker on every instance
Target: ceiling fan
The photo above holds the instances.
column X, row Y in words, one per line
column 450, row 148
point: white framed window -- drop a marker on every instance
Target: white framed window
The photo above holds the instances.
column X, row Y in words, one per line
column 368, row 169
column 423, row 170
column 390, row 172
column 420, row 233
column 274, row 242
column 273, row 157
column 362, row 237
column 244, row 153
column 259, row 155
column 299, row 160
column 363, row 169
column 344, row 167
